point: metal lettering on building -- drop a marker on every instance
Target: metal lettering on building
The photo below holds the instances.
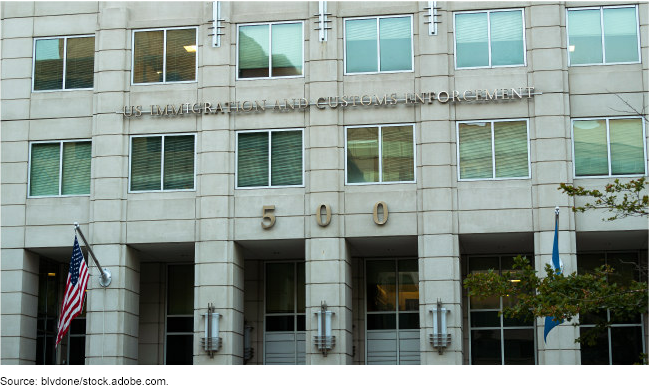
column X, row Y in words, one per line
column 330, row 102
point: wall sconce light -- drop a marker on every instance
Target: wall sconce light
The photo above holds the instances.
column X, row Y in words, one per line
column 324, row 340
column 211, row 342
column 440, row 338
column 248, row 350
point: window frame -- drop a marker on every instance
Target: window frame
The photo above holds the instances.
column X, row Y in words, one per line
column 609, row 153
column 164, row 54
column 641, row 324
column 268, row 131
column 490, row 66
column 162, row 161
column 492, row 121
column 380, row 126
column 602, row 34
column 501, row 327
column 379, row 71
column 65, row 58
column 270, row 67
column 60, row 142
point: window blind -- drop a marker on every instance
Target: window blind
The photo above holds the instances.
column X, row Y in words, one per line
column 80, row 62
column 395, row 43
column 475, row 150
column 178, row 163
column 472, row 40
column 363, row 154
column 76, row 168
column 286, row 49
column 145, row 163
column 585, row 38
column 397, row 153
column 620, row 34
column 506, row 37
column 590, row 147
column 44, row 169
column 181, row 55
column 148, row 56
column 253, row 159
column 626, row 146
column 361, row 45
column 48, row 64
column 286, row 158
column 511, row 149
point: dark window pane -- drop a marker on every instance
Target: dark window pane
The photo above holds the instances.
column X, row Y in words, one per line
column 300, row 288
column 279, row 323
column 80, row 62
column 626, row 268
column 148, row 56
column 179, row 349
column 486, row 347
column 48, row 64
column 589, row 262
column 594, row 354
column 381, row 321
column 593, row 318
column 77, row 354
column 179, row 163
column 624, row 317
column 181, row 55
column 517, row 321
column 519, row 347
column 484, row 319
column 78, row 326
column 409, row 321
column 300, row 323
column 280, row 287
column 380, row 275
column 145, row 163
column 180, row 289
column 180, row 324
column 627, row 345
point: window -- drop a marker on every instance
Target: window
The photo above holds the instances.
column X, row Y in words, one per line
column 59, row 168
column 284, row 308
column 378, row 45
column 392, row 312
column 63, row 63
column 269, row 158
column 380, row 154
column 493, row 150
column 495, row 339
column 179, row 326
column 164, row 56
column 162, row 163
column 489, row 39
column 270, row 50
column 603, row 35
column 609, row 147
column 623, row 342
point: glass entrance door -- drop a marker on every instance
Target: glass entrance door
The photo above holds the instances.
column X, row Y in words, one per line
column 284, row 316
column 392, row 312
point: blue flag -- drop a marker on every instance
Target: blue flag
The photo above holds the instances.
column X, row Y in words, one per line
column 551, row 322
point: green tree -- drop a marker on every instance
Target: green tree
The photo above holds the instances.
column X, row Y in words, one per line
column 567, row 296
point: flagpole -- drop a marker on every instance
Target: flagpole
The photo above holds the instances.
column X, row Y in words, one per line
column 105, row 278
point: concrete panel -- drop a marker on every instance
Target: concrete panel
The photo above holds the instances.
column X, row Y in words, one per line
column 17, row 28
column 66, row 24
column 151, row 231
column 494, row 221
column 15, row 109
column 16, row 88
column 69, row 103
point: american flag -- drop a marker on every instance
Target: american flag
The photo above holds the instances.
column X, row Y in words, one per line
column 75, row 290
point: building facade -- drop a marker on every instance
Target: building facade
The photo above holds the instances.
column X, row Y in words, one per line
column 269, row 159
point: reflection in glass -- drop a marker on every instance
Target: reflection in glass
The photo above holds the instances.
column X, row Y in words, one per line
column 48, row 64
column 486, row 346
column 179, row 162
column 286, row 49
column 44, row 169
column 145, row 163
column 585, row 38
column 76, row 168
column 253, row 159
column 280, row 288
column 180, row 289
column 620, row 32
column 397, row 153
column 510, row 149
column 381, row 286
column 361, row 45
column 363, row 154
column 590, row 147
column 408, row 285
column 626, row 146
column 475, row 150
column 254, row 51
column 472, row 48
column 395, row 44
column 507, row 38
